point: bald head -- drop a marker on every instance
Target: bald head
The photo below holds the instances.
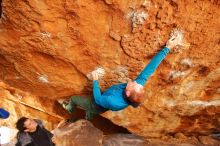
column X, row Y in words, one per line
column 134, row 92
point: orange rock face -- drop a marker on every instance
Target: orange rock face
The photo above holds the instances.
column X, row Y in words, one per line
column 47, row 48
column 20, row 103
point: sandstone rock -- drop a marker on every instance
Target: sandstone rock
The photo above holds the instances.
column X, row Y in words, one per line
column 124, row 139
column 115, row 36
column 80, row 133
column 83, row 133
column 207, row 140
column 20, row 103
column 48, row 47
column 180, row 136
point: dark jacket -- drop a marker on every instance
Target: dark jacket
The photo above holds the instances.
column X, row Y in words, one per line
column 24, row 139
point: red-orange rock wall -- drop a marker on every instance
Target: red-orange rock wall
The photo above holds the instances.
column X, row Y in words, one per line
column 48, row 47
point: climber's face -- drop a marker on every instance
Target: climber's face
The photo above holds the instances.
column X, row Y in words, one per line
column 30, row 125
column 134, row 92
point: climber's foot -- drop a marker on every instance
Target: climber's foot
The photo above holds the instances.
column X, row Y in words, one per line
column 66, row 105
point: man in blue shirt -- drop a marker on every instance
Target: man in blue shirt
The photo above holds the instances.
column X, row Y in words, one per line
column 120, row 96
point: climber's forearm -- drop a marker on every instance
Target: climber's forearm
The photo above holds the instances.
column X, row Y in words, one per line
column 152, row 66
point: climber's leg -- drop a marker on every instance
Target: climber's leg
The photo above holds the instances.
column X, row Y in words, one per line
column 82, row 102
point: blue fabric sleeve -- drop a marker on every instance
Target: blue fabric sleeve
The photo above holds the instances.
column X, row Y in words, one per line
column 152, row 66
column 96, row 91
column 99, row 99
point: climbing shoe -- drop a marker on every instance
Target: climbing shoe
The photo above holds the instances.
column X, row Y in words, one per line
column 66, row 105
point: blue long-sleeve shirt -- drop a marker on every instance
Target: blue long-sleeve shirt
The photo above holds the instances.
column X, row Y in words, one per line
column 114, row 98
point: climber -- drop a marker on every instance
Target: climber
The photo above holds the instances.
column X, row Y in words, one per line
column 31, row 132
column 120, row 96
column 4, row 114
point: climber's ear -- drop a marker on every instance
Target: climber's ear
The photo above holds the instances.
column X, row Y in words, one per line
column 128, row 93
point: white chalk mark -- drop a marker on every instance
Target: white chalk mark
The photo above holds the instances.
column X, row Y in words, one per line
column 194, row 103
column 139, row 17
column 182, row 44
column 187, row 62
column 204, row 103
column 18, row 96
column 147, row 3
column 43, row 78
column 175, row 74
column 17, row 77
column 122, row 73
column 46, row 34
column 100, row 71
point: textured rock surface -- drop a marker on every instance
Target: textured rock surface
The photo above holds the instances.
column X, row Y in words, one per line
column 20, row 103
column 83, row 133
column 124, row 139
column 80, row 133
column 48, row 47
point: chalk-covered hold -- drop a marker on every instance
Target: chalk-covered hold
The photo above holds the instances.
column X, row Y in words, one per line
column 138, row 18
column 100, row 72
column 43, row 78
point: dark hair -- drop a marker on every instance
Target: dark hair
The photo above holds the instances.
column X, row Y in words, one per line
column 20, row 124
